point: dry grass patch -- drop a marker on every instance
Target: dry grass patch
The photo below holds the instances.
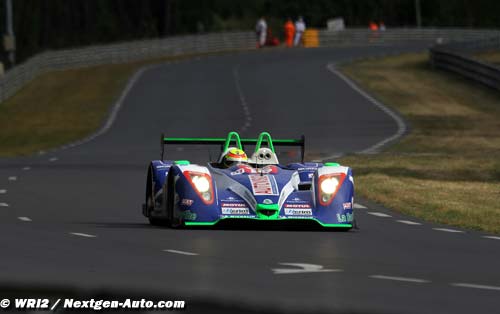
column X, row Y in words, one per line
column 448, row 169
column 492, row 56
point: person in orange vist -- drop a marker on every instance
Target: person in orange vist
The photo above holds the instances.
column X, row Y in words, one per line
column 289, row 32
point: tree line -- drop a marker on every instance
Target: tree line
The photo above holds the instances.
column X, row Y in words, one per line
column 54, row 24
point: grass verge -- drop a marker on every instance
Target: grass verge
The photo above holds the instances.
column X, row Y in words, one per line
column 447, row 170
column 492, row 56
column 62, row 106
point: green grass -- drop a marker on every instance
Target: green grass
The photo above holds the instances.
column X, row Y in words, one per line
column 447, row 170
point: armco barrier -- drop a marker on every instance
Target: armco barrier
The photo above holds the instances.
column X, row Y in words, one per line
column 456, row 57
column 17, row 77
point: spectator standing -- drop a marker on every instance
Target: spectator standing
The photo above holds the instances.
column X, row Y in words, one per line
column 261, row 30
column 300, row 28
column 289, row 32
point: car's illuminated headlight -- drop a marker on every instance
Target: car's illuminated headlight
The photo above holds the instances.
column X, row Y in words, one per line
column 329, row 185
column 201, row 184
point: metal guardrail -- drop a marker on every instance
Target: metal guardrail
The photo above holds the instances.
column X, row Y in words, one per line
column 391, row 35
column 456, row 57
column 20, row 75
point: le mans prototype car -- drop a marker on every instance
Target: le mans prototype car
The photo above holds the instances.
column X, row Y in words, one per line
column 181, row 194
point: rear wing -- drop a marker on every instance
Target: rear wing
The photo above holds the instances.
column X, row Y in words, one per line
column 234, row 137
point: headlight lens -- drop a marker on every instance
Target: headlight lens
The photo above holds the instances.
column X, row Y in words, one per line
column 329, row 185
column 201, row 184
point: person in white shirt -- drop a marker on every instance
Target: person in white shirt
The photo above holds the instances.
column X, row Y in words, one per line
column 261, row 30
column 300, row 28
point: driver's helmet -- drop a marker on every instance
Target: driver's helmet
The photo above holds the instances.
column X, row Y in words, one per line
column 233, row 156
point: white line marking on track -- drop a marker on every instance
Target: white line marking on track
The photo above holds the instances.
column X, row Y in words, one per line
column 359, row 206
column 491, row 237
column 3, row 191
column 408, row 222
column 4, row 205
column 406, row 279
column 26, row 168
column 474, row 286
column 113, row 113
column 85, row 235
column 53, row 159
column 378, row 214
column 400, row 123
column 243, row 101
column 12, row 178
column 448, row 230
column 181, row 252
column 303, row 268
column 24, row 218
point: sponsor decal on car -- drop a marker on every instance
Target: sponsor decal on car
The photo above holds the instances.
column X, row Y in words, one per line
column 298, row 217
column 267, row 201
column 238, row 216
column 186, row 202
column 247, row 169
column 347, row 205
column 296, row 200
column 189, row 215
column 345, row 218
column 306, row 206
column 298, row 211
column 235, row 210
column 263, row 185
column 238, row 171
column 233, row 205
column 307, row 169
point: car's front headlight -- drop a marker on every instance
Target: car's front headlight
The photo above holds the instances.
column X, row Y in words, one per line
column 329, row 184
column 202, row 184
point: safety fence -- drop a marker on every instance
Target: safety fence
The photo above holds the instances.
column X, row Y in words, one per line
column 20, row 75
column 458, row 58
column 431, row 35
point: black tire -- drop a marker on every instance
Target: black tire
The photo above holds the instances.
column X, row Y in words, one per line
column 174, row 223
column 158, row 222
column 150, row 201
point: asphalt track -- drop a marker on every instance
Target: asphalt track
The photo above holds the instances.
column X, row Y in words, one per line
column 71, row 218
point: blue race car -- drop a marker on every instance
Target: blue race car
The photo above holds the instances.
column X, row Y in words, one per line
column 181, row 194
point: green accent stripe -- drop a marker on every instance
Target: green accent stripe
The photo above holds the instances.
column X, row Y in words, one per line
column 335, row 164
column 220, row 140
column 268, row 207
column 193, row 223
column 264, row 136
column 229, row 139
